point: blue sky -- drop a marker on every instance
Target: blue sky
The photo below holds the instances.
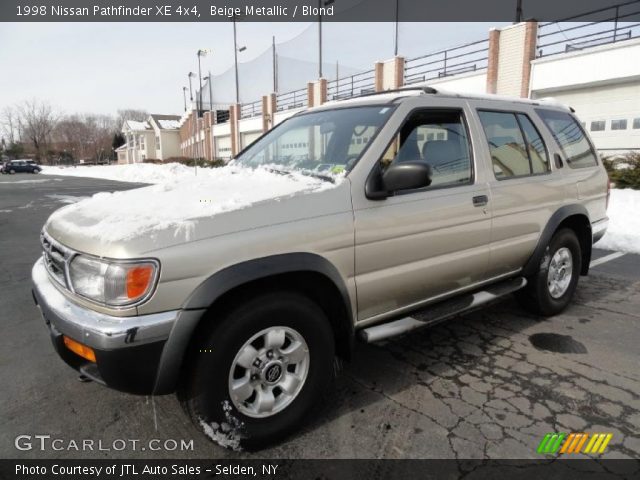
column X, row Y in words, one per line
column 102, row 67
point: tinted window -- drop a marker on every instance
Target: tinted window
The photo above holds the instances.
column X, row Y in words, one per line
column 598, row 125
column 535, row 144
column 438, row 138
column 570, row 137
column 516, row 147
column 618, row 124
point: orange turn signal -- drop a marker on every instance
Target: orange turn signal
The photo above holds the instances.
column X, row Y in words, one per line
column 138, row 280
column 79, row 349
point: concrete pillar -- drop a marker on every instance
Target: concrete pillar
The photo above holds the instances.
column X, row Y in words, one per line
column 234, row 119
column 268, row 111
column 516, row 49
column 530, row 40
column 310, row 91
column 378, row 80
column 319, row 92
column 492, row 63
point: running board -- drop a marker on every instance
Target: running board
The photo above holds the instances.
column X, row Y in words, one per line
column 441, row 311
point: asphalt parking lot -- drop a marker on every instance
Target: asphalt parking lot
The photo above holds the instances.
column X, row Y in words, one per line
column 489, row 384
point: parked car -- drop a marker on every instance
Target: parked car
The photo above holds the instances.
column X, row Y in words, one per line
column 446, row 203
column 21, row 166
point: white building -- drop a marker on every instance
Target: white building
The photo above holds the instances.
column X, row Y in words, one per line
column 156, row 138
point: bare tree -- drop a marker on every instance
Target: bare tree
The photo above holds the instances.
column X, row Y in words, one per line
column 9, row 124
column 36, row 120
column 130, row 114
column 86, row 136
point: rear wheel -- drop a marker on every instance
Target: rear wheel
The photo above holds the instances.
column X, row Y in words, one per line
column 257, row 373
column 551, row 288
column 12, row 171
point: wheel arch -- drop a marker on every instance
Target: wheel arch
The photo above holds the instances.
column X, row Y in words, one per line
column 307, row 273
column 573, row 216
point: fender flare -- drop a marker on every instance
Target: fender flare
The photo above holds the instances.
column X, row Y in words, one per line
column 223, row 282
column 554, row 222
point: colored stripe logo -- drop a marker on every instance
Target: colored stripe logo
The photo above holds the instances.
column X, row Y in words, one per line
column 594, row 443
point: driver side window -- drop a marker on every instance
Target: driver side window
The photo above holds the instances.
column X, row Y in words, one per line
column 438, row 138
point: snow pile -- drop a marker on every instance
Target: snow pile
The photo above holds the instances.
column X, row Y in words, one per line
column 178, row 204
column 169, row 124
column 135, row 172
column 623, row 234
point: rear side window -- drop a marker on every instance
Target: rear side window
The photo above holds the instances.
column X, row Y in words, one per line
column 570, row 137
column 517, row 150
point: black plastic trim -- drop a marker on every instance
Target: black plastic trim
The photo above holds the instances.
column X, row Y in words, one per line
column 552, row 225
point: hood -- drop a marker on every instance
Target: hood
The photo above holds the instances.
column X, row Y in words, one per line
column 129, row 223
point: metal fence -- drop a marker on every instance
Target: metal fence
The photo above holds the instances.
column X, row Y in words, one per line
column 470, row 57
column 351, row 86
column 253, row 109
column 290, row 100
column 606, row 25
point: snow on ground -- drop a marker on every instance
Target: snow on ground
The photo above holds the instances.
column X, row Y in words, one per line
column 176, row 204
column 623, row 234
column 136, row 172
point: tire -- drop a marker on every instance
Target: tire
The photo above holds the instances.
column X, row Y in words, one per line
column 549, row 291
column 12, row 171
column 249, row 421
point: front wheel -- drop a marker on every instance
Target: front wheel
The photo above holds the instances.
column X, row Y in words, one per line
column 257, row 372
column 551, row 288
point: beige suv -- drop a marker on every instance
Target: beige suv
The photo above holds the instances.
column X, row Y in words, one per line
column 430, row 204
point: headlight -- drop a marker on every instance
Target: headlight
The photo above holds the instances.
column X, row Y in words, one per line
column 112, row 283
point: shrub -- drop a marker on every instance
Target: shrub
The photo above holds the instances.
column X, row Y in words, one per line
column 624, row 172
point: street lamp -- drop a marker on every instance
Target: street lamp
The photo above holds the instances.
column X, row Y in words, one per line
column 191, row 75
column 320, row 4
column 200, row 53
column 236, row 50
column 209, row 78
column 184, row 96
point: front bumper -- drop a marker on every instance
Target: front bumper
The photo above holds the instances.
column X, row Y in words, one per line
column 128, row 350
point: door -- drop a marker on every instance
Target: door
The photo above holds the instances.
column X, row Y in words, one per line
column 422, row 244
column 525, row 191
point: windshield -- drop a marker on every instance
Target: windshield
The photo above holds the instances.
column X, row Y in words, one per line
column 327, row 142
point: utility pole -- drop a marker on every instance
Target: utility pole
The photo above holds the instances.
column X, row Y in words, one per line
column 184, row 96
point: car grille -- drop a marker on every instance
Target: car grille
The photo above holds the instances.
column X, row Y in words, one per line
column 56, row 258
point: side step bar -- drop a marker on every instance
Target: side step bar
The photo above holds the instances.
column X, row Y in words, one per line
column 441, row 311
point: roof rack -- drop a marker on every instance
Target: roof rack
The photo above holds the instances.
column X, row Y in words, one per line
column 424, row 90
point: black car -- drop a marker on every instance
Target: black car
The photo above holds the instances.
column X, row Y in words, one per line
column 21, row 166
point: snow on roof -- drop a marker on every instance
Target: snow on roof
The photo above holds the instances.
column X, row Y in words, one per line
column 169, row 124
column 135, row 125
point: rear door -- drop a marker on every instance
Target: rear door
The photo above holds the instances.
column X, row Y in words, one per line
column 525, row 187
column 417, row 245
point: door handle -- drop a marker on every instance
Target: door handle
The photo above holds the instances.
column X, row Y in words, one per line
column 480, row 200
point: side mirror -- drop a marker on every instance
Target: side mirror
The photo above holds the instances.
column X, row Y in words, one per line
column 406, row 176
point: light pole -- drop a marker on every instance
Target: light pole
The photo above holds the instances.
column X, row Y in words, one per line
column 184, row 96
column 320, row 4
column 200, row 53
column 236, row 50
column 190, row 75
column 208, row 78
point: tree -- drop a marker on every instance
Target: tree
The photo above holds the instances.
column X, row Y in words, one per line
column 118, row 140
column 9, row 124
column 130, row 114
column 36, row 121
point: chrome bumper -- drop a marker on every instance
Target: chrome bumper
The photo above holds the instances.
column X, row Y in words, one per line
column 94, row 329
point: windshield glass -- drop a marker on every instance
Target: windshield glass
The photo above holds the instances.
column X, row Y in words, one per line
column 326, row 142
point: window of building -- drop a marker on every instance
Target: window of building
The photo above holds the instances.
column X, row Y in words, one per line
column 516, row 147
column 620, row 124
column 598, row 125
column 570, row 137
column 636, row 123
column 157, row 142
column 438, row 138
column 141, row 142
